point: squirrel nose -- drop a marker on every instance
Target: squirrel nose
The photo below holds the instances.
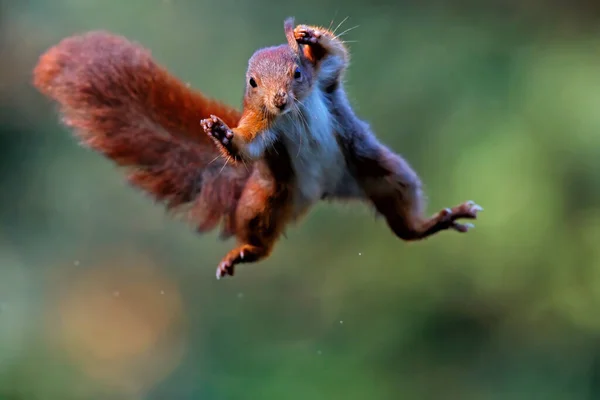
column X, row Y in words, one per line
column 280, row 99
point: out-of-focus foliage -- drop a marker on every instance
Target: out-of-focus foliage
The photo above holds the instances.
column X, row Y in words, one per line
column 103, row 296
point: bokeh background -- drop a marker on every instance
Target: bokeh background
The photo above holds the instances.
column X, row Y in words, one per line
column 103, row 296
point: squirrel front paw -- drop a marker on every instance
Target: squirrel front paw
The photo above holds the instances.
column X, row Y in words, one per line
column 217, row 130
column 320, row 43
column 222, row 135
column 307, row 35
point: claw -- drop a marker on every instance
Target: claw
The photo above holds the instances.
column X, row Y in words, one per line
column 474, row 205
column 463, row 228
column 222, row 269
column 307, row 35
column 468, row 210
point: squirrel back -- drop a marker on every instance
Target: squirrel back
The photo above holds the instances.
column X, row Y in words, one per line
column 122, row 104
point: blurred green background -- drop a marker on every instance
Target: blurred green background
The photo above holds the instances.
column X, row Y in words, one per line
column 103, row 296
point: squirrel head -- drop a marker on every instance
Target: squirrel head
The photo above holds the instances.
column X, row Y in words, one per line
column 277, row 78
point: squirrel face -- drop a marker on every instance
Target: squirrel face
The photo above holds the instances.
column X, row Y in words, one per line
column 277, row 79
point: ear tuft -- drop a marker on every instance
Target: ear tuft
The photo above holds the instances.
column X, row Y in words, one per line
column 288, row 26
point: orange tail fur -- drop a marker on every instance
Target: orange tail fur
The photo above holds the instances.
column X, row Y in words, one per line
column 122, row 104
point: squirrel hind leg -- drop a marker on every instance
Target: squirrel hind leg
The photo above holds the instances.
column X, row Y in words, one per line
column 410, row 228
column 245, row 253
column 395, row 190
column 260, row 217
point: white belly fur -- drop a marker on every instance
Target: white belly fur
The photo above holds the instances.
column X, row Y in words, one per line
column 314, row 151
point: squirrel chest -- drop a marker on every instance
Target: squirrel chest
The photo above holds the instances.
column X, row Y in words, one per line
column 308, row 133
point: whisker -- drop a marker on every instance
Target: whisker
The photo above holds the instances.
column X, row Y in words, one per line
column 244, row 162
column 224, row 165
column 272, row 145
column 302, row 104
column 296, row 102
column 296, row 112
column 303, row 122
column 347, row 30
column 334, row 15
column 304, row 117
column 215, row 159
column 340, row 24
column 298, row 109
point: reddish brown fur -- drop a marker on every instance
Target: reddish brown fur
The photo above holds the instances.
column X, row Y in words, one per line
column 253, row 122
column 125, row 106
column 273, row 69
column 265, row 209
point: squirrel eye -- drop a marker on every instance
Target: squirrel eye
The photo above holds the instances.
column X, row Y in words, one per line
column 297, row 73
column 252, row 82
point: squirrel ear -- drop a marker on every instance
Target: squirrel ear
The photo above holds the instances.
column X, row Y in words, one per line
column 288, row 26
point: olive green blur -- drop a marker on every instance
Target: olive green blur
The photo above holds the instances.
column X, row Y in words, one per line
column 104, row 296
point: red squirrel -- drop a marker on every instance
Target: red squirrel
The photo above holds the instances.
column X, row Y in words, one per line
column 296, row 141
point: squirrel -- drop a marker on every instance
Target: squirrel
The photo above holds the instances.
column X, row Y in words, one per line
column 295, row 142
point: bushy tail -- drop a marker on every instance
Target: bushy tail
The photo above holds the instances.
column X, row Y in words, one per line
column 123, row 105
